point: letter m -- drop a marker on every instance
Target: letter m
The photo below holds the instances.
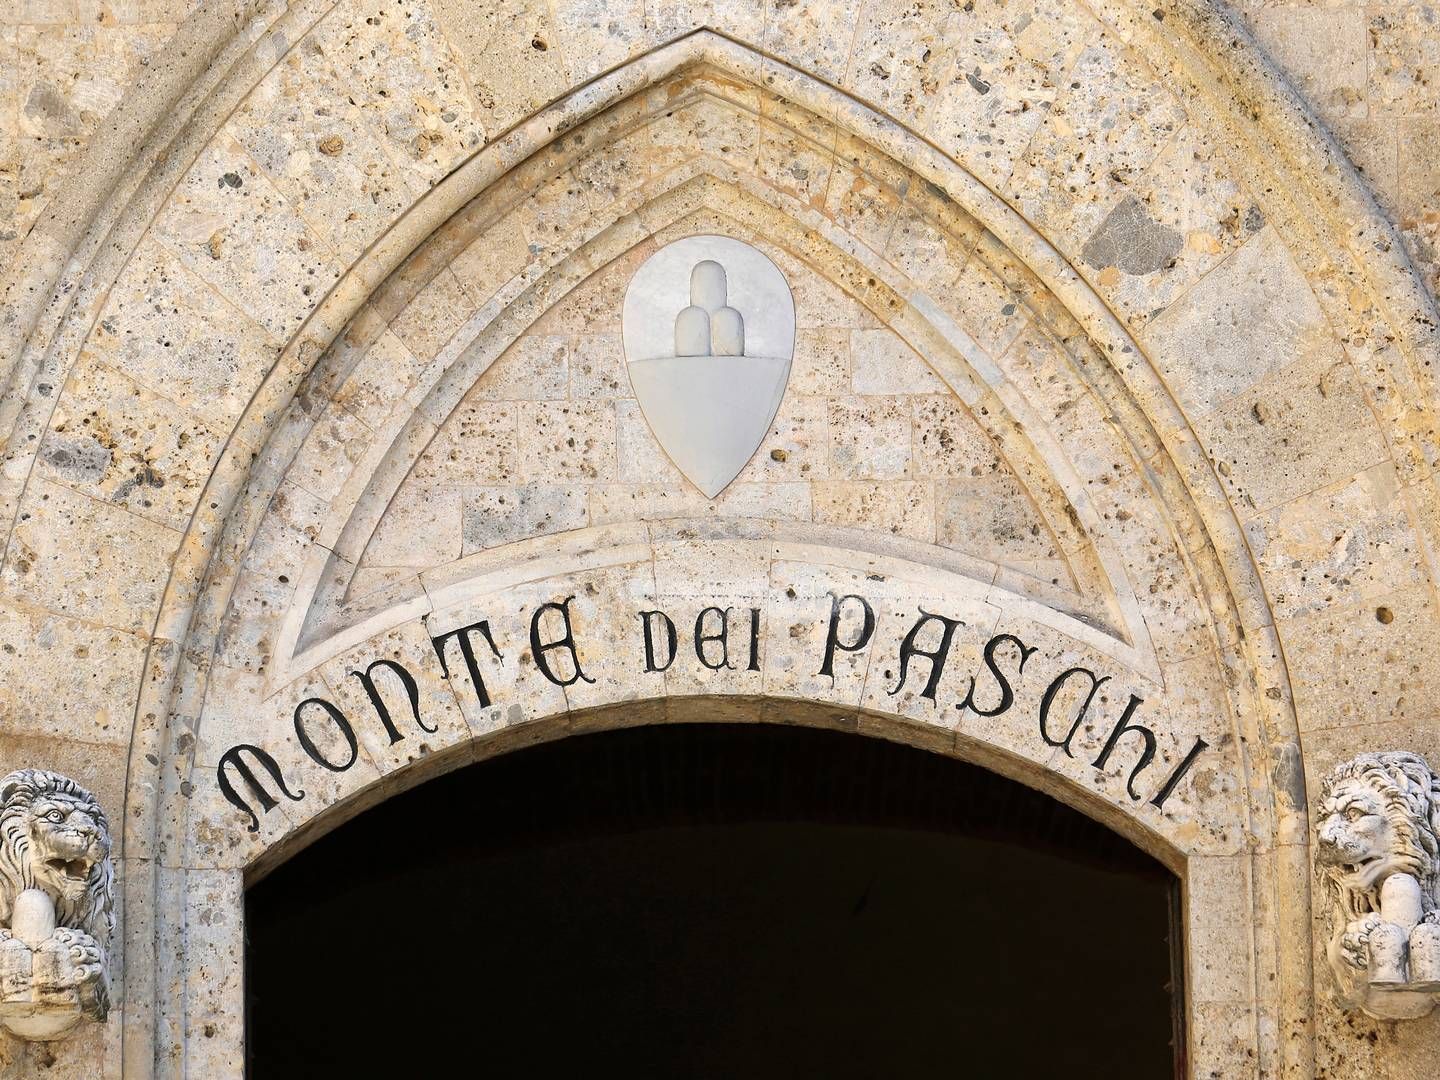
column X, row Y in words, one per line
column 234, row 757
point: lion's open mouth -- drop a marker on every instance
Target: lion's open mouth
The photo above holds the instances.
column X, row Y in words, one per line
column 75, row 869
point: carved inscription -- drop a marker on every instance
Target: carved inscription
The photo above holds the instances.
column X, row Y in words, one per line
column 721, row 638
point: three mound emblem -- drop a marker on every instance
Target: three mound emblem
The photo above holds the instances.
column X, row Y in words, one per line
column 709, row 332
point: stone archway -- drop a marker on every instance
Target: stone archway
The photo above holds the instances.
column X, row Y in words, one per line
column 1170, row 477
column 283, row 657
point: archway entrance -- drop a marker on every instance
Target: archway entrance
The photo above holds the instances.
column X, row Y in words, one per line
column 716, row 901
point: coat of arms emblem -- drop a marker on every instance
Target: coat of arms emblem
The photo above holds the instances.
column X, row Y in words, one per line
column 709, row 332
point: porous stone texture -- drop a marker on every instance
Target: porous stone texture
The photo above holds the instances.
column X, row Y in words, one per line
column 315, row 365
column 533, row 449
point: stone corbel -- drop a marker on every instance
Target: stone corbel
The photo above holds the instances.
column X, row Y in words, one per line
column 57, row 906
column 1378, row 849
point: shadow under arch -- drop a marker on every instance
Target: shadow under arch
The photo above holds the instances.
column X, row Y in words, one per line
column 719, row 899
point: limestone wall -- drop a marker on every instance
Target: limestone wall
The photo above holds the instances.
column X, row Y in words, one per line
column 1366, row 70
column 316, row 361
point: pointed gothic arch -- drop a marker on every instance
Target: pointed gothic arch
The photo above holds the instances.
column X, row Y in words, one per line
column 58, row 315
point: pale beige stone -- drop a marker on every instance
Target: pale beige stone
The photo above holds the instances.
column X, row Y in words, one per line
column 555, row 215
column 328, row 164
column 479, row 445
column 893, row 57
column 233, row 228
column 247, row 641
column 122, row 444
column 1107, row 126
column 821, row 364
column 990, row 516
column 336, row 443
column 597, row 367
column 513, row 54
column 535, row 367
column 115, row 580
column 816, row 33
column 1340, row 544
column 1285, row 436
column 376, row 386
column 862, row 206
column 434, row 315
column 870, row 438
column 1188, row 213
column 1325, row 49
column 1404, row 53
column 797, row 445
column 1001, row 80
column 404, row 77
column 167, row 330
column 926, row 251
column 100, row 668
column 948, row 443
column 406, row 731
column 492, row 516
column 640, row 459
column 418, row 529
column 1364, row 662
column 10, row 224
column 1224, row 337
column 793, row 164
column 881, row 363
column 599, row 34
column 495, row 257
column 568, row 441
column 645, row 502
column 901, row 507
column 67, row 73
column 213, row 973
column 988, row 310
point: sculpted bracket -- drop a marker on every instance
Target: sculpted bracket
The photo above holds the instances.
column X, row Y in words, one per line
column 1378, row 844
column 57, row 905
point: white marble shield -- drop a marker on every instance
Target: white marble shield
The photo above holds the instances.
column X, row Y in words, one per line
column 709, row 332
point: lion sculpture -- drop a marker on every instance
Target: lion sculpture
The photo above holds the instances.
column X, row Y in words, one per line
column 1377, row 846
column 57, row 905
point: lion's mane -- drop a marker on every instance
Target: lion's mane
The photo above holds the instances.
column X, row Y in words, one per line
column 1410, row 795
column 94, row 913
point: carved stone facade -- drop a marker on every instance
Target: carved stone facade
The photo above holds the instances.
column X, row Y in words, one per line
column 1091, row 436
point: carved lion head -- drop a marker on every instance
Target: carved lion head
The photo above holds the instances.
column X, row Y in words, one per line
column 1379, row 815
column 54, row 837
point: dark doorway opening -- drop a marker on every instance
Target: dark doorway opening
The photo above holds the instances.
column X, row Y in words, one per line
column 715, row 901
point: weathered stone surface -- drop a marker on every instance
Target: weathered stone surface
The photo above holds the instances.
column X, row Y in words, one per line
column 1248, row 318
column 404, row 76
column 125, row 445
column 114, row 580
column 1231, row 515
column 1130, row 240
column 234, row 229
